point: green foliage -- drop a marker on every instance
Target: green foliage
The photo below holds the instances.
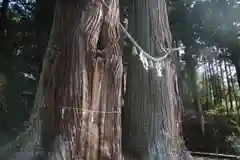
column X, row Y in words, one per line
column 218, row 110
column 235, row 142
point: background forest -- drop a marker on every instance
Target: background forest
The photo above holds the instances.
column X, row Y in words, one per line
column 209, row 67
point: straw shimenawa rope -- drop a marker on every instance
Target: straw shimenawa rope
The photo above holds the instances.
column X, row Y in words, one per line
column 137, row 47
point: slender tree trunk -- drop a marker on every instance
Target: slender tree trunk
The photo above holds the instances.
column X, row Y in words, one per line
column 3, row 30
column 80, row 84
column 213, row 83
column 191, row 65
column 229, row 87
column 218, row 83
column 206, row 82
column 223, row 86
column 151, row 124
column 238, row 72
column 3, row 17
column 236, row 63
column 211, row 86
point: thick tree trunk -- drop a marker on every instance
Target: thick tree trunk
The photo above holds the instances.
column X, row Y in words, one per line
column 80, row 84
column 151, row 127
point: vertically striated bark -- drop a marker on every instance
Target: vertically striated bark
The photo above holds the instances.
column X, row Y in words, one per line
column 151, row 124
column 80, row 84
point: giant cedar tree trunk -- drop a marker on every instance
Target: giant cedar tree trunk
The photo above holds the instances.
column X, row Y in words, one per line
column 151, row 127
column 80, row 83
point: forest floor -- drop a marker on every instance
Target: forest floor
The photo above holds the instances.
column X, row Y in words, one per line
column 217, row 128
column 201, row 158
column 214, row 139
